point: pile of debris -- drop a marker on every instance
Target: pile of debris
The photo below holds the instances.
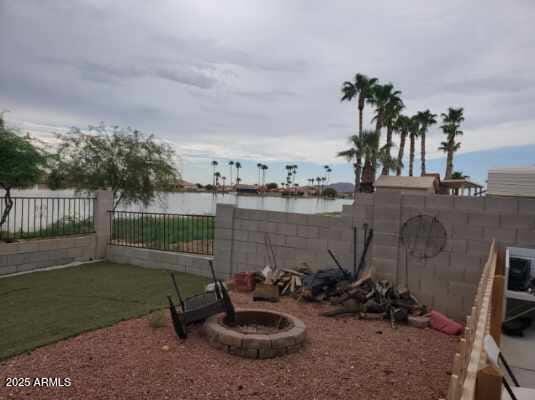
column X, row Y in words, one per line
column 371, row 299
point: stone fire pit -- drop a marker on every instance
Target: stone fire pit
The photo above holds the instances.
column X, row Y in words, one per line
column 256, row 334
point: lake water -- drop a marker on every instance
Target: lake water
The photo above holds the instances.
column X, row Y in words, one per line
column 205, row 203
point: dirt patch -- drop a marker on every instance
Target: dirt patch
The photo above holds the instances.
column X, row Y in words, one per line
column 342, row 358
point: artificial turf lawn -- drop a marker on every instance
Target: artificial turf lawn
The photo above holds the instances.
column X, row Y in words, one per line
column 44, row 307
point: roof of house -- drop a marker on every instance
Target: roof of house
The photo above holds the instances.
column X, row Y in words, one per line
column 513, row 170
column 406, row 182
column 460, row 183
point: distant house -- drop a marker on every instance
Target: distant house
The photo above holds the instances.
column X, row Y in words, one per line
column 246, row 189
column 185, row 185
column 519, row 181
column 407, row 184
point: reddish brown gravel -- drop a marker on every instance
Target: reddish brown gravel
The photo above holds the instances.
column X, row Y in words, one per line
column 343, row 359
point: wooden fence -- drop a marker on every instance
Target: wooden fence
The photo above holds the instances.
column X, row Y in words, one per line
column 473, row 378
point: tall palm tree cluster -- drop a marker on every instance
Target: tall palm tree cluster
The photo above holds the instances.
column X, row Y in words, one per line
column 365, row 145
column 321, row 181
column 217, row 176
column 262, row 168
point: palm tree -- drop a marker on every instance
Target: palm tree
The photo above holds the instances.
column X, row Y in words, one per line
column 392, row 110
column 426, row 119
column 384, row 98
column 401, row 126
column 362, row 88
column 318, row 180
column 237, row 164
column 217, row 175
column 258, row 172
column 230, row 164
column 451, row 122
column 264, row 169
column 214, row 164
column 224, row 178
column 414, row 131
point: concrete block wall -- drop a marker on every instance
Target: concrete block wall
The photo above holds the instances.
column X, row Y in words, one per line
column 190, row 263
column 448, row 281
column 28, row 255
column 296, row 238
column 35, row 254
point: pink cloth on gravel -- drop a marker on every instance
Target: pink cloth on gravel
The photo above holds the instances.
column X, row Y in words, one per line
column 443, row 324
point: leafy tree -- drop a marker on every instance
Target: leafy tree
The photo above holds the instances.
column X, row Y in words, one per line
column 451, row 122
column 329, row 192
column 362, row 88
column 134, row 166
column 22, row 164
column 209, row 187
column 272, row 186
column 426, row 119
column 459, row 175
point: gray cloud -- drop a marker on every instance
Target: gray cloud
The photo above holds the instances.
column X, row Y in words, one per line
column 260, row 69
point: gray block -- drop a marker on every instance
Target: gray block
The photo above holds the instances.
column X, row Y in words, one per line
column 526, row 207
column 438, row 202
column 526, row 237
column 414, row 201
column 287, row 229
column 484, row 219
column 298, row 219
column 467, row 232
column 319, row 220
column 500, row 234
column 517, row 221
column 470, row 204
column 296, row 242
column 308, row 231
column 503, row 206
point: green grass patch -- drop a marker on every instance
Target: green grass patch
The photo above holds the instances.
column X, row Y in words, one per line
column 65, row 226
column 44, row 307
column 160, row 232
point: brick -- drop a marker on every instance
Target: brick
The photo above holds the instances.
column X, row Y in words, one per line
column 385, row 239
column 410, row 212
column 469, row 203
column 297, row 242
column 386, row 213
column 478, row 248
column 467, row 232
column 239, row 235
column 256, row 237
column 254, row 341
column 363, row 213
column 8, row 270
column 390, row 252
column 456, row 245
column 277, row 240
column 319, row 220
column 364, row 199
column 526, row 207
column 317, row 244
column 438, row 202
column 517, row 221
column 412, row 200
column 221, row 233
column 390, row 199
column 278, row 217
column 526, row 237
column 298, row 219
column 384, row 265
column 504, row 206
column 482, row 219
column 308, row 231
column 386, row 226
column 287, row 229
column 501, row 234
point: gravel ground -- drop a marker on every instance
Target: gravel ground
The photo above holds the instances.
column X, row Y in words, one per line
column 343, row 359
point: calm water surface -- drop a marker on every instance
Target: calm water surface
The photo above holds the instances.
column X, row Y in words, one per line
column 205, row 203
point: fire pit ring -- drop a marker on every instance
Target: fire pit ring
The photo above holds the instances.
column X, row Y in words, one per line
column 256, row 334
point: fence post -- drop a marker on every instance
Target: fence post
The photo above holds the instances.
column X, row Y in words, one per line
column 103, row 204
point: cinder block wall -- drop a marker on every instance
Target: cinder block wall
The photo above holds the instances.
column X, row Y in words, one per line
column 296, row 238
column 28, row 255
column 191, row 263
column 446, row 282
column 35, row 254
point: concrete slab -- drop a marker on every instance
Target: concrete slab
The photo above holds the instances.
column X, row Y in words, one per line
column 520, row 353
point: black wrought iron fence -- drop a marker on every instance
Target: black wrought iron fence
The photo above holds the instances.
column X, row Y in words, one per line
column 183, row 233
column 34, row 217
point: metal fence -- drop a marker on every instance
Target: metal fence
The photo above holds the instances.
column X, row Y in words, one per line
column 183, row 233
column 35, row 217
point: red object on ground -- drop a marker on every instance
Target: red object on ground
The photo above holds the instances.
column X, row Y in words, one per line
column 244, row 281
column 443, row 324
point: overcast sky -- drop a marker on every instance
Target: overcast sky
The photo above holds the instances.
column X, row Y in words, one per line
column 260, row 80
